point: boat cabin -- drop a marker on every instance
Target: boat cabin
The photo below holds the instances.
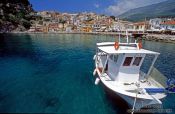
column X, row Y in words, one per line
column 122, row 64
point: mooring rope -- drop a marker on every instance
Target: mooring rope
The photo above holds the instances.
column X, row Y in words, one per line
column 137, row 84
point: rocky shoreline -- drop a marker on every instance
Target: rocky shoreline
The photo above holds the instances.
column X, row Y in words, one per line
column 160, row 38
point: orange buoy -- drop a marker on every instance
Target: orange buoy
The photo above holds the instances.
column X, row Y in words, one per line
column 140, row 45
column 116, row 45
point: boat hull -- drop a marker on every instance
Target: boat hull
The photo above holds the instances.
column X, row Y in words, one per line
column 127, row 102
column 119, row 71
column 140, row 103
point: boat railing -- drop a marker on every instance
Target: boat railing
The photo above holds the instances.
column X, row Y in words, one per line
column 119, row 44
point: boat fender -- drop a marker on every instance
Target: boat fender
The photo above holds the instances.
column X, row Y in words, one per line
column 140, row 45
column 94, row 57
column 94, row 73
column 97, row 81
column 116, row 45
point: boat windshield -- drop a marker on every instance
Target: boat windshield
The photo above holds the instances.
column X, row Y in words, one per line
column 114, row 57
column 158, row 76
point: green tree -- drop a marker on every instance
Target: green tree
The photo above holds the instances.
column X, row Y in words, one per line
column 113, row 17
column 26, row 23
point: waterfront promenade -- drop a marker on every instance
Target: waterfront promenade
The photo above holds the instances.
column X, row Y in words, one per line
column 150, row 37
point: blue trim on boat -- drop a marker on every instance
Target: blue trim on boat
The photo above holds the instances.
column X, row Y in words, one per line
column 155, row 90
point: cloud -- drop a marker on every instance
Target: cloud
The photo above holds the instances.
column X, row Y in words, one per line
column 96, row 5
column 122, row 6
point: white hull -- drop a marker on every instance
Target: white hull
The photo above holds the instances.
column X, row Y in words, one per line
column 140, row 102
column 118, row 68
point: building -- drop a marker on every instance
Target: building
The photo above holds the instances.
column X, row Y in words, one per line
column 32, row 29
column 141, row 26
column 96, row 26
column 155, row 23
column 86, row 26
column 36, row 28
column 53, row 27
column 45, row 29
column 71, row 28
column 168, row 25
column 122, row 26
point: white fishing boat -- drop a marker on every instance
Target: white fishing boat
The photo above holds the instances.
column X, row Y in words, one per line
column 118, row 68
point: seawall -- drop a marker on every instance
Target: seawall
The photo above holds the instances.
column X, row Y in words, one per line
column 160, row 38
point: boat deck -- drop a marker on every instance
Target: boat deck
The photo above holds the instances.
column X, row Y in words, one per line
column 151, row 83
column 131, row 88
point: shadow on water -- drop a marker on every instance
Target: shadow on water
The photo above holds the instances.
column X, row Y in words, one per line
column 115, row 101
column 13, row 45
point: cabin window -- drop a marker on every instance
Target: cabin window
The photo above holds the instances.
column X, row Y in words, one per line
column 111, row 57
column 137, row 61
column 127, row 61
column 114, row 57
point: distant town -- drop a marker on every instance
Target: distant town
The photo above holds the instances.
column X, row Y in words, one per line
column 51, row 21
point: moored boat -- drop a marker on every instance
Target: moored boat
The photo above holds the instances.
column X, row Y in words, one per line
column 118, row 66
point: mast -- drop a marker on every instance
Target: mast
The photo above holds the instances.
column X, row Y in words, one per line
column 119, row 29
column 127, row 36
column 119, row 37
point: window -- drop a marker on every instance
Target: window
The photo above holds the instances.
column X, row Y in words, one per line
column 127, row 61
column 115, row 58
column 111, row 57
column 137, row 61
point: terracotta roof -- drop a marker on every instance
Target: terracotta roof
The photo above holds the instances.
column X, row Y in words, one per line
column 140, row 23
column 53, row 25
column 88, row 22
column 172, row 22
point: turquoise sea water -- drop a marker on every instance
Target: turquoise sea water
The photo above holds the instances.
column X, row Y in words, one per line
column 50, row 73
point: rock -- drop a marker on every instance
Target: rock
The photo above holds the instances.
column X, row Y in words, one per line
column 20, row 28
column 161, row 37
column 11, row 16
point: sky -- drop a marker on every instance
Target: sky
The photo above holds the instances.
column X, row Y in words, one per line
column 109, row 7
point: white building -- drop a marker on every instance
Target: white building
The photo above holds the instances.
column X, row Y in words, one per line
column 155, row 23
column 168, row 25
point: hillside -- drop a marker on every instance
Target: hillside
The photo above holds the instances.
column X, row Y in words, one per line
column 15, row 15
column 163, row 9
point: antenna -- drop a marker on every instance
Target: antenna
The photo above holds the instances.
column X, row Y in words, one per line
column 144, row 26
column 127, row 36
column 119, row 29
column 119, row 35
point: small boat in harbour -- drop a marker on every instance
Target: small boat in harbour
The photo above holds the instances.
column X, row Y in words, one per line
column 118, row 66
